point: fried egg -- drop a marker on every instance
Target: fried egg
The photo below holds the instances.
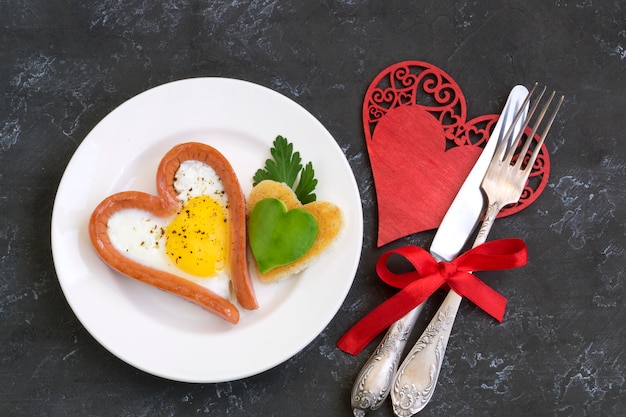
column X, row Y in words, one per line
column 194, row 243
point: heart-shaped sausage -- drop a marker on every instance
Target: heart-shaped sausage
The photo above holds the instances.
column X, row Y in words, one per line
column 167, row 204
column 421, row 148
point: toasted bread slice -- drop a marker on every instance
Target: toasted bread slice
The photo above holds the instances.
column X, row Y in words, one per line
column 329, row 219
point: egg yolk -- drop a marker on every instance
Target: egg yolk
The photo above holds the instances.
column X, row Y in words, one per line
column 197, row 239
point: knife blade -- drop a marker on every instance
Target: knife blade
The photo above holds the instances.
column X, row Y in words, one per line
column 373, row 382
column 462, row 217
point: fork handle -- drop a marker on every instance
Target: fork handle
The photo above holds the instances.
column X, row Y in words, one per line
column 490, row 216
column 416, row 379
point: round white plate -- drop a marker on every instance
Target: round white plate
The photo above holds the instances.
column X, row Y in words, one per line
column 156, row 331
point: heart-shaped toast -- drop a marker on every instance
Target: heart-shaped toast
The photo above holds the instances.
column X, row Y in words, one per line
column 177, row 207
column 329, row 224
column 421, row 147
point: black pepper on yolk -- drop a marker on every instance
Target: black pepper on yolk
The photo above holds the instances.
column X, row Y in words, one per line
column 197, row 239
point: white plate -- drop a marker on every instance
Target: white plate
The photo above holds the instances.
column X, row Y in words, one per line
column 158, row 332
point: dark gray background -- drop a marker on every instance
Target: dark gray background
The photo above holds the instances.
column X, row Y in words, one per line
column 560, row 351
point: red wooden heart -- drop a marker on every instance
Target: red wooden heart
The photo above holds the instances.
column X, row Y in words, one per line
column 417, row 151
column 421, row 148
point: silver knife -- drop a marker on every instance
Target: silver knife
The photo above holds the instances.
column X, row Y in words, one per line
column 373, row 382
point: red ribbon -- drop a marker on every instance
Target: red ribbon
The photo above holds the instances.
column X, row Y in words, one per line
column 429, row 275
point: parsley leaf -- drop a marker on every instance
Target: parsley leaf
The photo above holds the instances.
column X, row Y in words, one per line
column 286, row 166
column 306, row 185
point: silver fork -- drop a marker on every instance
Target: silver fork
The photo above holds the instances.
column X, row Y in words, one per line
column 503, row 184
column 505, row 178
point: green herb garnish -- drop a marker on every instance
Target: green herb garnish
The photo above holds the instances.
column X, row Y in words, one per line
column 286, row 166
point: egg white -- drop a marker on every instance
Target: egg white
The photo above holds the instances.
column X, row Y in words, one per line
column 195, row 179
column 141, row 236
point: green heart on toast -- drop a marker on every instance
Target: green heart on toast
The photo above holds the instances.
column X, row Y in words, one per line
column 279, row 236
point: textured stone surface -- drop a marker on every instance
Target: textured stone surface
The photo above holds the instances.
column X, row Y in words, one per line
column 560, row 350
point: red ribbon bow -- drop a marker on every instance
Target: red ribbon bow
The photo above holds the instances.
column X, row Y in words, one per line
column 429, row 275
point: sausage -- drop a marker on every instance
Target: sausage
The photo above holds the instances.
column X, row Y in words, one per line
column 166, row 204
column 244, row 291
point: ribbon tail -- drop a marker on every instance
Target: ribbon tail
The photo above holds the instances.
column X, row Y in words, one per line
column 479, row 293
column 390, row 311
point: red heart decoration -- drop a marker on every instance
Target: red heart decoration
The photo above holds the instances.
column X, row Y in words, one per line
column 416, row 133
column 421, row 148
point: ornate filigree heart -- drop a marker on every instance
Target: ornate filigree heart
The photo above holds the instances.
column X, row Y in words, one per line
column 421, row 148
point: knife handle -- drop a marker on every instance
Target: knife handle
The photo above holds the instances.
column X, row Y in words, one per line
column 415, row 381
column 373, row 383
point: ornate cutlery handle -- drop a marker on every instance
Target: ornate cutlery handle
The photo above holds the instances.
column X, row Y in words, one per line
column 416, row 379
column 373, row 383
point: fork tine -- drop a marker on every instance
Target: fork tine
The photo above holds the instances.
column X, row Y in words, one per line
column 533, row 131
column 513, row 146
column 533, row 157
column 503, row 144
